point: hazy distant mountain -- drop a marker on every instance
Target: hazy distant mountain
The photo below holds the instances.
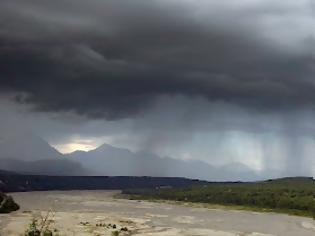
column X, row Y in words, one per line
column 26, row 147
column 109, row 160
column 43, row 167
column 30, row 154
column 238, row 171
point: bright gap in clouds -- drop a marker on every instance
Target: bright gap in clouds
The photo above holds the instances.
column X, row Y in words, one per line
column 78, row 144
column 71, row 147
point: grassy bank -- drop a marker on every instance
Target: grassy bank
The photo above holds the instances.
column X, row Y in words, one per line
column 293, row 196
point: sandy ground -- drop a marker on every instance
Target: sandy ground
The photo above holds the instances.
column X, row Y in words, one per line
column 95, row 212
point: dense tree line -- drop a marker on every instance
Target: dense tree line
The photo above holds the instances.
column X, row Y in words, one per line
column 294, row 195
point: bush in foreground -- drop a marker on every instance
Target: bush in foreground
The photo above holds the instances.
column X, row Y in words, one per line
column 7, row 204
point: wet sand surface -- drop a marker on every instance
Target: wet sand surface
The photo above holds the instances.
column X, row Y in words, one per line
column 82, row 212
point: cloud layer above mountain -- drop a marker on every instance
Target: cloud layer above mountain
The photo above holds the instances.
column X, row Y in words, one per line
column 113, row 59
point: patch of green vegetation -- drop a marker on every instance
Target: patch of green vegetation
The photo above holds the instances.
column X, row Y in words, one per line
column 41, row 227
column 288, row 195
column 115, row 233
column 7, row 204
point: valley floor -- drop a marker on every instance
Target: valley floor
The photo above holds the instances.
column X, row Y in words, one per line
column 82, row 212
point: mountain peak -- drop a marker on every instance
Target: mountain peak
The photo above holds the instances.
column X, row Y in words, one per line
column 105, row 147
column 27, row 147
column 76, row 152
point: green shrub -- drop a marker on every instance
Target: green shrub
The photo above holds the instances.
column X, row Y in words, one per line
column 7, row 204
column 115, row 233
column 32, row 229
column 47, row 233
column 41, row 226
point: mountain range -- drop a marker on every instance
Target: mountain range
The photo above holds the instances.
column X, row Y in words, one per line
column 30, row 154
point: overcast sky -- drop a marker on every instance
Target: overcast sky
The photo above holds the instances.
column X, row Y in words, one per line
column 221, row 81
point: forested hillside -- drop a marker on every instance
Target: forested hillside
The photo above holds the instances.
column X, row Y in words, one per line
column 290, row 195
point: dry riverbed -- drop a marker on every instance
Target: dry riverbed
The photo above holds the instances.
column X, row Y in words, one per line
column 98, row 213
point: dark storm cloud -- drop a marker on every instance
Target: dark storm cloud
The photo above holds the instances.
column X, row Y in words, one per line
column 113, row 59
